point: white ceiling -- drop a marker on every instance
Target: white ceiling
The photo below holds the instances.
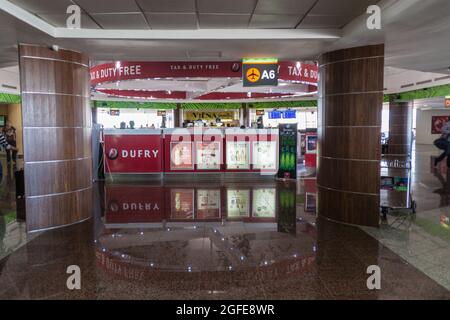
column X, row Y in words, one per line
column 416, row 32
column 200, row 14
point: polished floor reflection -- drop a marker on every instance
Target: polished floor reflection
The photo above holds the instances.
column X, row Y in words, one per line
column 216, row 240
column 423, row 239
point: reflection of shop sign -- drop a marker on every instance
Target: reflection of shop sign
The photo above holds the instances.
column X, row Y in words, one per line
column 260, row 112
column 161, row 113
column 260, row 73
column 133, row 206
column 195, row 115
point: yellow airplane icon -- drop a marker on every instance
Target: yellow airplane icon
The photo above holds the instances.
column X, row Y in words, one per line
column 253, row 74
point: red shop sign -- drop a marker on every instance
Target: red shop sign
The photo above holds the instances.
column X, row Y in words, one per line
column 130, row 70
column 298, row 71
column 133, row 153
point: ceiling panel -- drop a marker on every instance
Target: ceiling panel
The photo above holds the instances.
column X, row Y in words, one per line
column 274, row 21
column 121, row 21
column 172, row 20
column 43, row 6
column 226, row 6
column 167, row 5
column 342, row 7
column 225, row 21
column 323, row 21
column 283, row 6
column 107, row 6
column 59, row 20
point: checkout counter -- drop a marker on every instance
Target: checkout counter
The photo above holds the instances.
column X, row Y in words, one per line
column 191, row 150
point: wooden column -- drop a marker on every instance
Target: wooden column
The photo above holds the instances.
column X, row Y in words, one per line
column 349, row 149
column 400, row 128
column 177, row 116
column 57, row 124
column 243, row 115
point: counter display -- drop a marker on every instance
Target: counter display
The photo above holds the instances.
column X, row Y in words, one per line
column 181, row 156
column 208, row 155
column 265, row 155
column 183, row 150
column 238, row 155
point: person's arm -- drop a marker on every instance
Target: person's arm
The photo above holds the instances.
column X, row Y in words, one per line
column 3, row 142
column 446, row 128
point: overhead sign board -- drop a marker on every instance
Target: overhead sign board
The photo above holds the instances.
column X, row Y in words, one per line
column 260, row 72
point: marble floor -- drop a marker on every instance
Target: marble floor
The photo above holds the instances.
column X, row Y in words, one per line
column 232, row 240
column 423, row 239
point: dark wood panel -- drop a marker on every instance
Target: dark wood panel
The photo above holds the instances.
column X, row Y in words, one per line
column 40, row 110
column 347, row 175
column 57, row 123
column 45, row 52
column 356, row 110
column 352, row 53
column 60, row 143
column 350, row 208
column 352, row 77
column 399, row 149
column 400, row 127
column 58, row 210
column 351, row 95
column 350, row 142
column 57, row 177
column 54, row 77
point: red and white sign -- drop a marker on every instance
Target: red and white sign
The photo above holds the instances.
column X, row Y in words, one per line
column 134, row 204
column 133, row 153
column 298, row 71
column 130, row 70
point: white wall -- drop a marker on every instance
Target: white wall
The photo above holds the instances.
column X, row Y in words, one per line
column 423, row 125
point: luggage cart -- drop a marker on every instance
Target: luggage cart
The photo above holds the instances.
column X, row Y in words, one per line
column 396, row 186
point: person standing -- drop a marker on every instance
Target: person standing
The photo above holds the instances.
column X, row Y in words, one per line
column 445, row 135
column 7, row 146
column 9, row 133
